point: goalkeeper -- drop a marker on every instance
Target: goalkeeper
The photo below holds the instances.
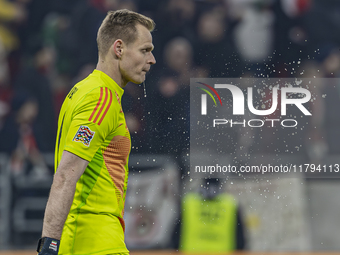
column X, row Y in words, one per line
column 84, row 212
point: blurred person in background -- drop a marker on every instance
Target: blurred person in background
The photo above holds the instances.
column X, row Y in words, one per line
column 214, row 48
column 178, row 16
column 36, row 80
column 169, row 104
column 11, row 13
column 179, row 61
column 253, row 33
column 20, row 136
column 211, row 221
column 13, row 16
column 291, row 38
column 84, row 212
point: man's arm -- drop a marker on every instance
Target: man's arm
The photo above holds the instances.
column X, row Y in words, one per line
column 70, row 169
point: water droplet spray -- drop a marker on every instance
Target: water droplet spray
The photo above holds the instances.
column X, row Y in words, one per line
column 144, row 88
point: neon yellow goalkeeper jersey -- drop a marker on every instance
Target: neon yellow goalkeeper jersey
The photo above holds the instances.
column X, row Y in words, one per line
column 92, row 125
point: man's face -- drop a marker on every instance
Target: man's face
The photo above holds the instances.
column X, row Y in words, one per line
column 137, row 57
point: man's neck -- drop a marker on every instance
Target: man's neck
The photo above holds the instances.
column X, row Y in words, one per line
column 111, row 68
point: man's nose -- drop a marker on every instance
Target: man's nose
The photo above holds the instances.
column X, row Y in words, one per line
column 152, row 60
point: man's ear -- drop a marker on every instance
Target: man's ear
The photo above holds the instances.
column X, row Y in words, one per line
column 117, row 48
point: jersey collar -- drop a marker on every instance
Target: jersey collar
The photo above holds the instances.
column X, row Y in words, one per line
column 108, row 80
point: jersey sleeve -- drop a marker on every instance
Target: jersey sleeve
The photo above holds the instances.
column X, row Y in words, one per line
column 93, row 119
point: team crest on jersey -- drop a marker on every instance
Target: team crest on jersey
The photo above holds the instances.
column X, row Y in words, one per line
column 84, row 135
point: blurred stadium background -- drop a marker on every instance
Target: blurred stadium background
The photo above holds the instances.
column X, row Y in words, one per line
column 46, row 46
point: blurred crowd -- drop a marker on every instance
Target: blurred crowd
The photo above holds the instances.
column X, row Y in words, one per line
column 48, row 46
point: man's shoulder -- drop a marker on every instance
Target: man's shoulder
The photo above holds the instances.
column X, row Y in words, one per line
column 90, row 83
column 93, row 92
column 94, row 85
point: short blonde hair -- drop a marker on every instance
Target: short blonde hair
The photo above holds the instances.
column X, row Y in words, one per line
column 120, row 24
